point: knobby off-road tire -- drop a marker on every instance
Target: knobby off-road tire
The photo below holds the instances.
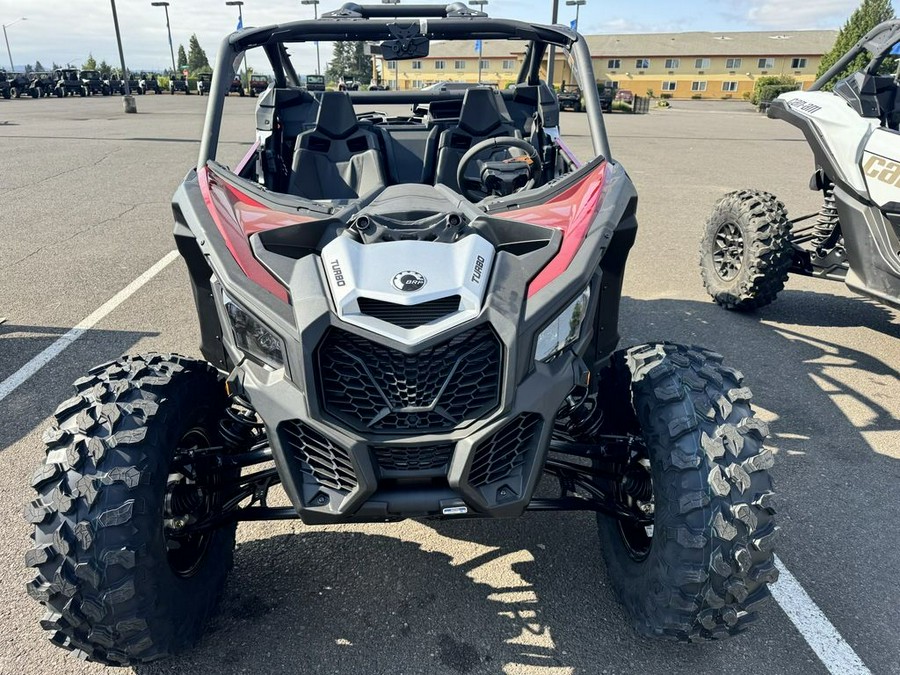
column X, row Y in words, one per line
column 103, row 570
column 710, row 557
column 751, row 230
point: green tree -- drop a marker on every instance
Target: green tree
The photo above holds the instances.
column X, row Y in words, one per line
column 39, row 67
column 869, row 14
column 90, row 64
column 349, row 61
column 104, row 69
column 196, row 57
column 182, row 57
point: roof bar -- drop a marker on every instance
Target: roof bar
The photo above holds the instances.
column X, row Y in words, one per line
column 351, row 10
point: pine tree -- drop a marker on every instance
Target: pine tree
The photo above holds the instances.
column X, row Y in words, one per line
column 868, row 15
column 39, row 67
column 104, row 69
column 349, row 61
column 182, row 57
column 196, row 57
column 90, row 64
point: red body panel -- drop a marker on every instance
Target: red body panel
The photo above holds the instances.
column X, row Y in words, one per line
column 572, row 212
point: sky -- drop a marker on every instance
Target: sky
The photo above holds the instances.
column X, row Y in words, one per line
column 68, row 30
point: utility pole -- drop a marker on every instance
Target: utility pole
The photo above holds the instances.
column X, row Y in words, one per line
column 127, row 99
column 578, row 4
column 315, row 4
column 552, row 62
column 165, row 5
column 480, row 4
column 12, row 67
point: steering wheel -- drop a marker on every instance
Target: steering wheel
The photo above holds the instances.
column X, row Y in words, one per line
column 499, row 177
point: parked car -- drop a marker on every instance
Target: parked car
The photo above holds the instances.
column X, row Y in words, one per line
column 93, row 84
column 312, row 82
column 452, row 86
column 68, row 83
column 203, row 83
column 607, row 91
column 258, row 84
column 625, row 96
column 180, row 83
column 4, row 85
column 134, row 84
column 569, row 97
column 148, row 82
column 18, row 84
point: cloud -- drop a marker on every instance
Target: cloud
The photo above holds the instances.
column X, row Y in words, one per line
column 776, row 14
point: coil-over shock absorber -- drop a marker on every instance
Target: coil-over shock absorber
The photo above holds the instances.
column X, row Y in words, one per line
column 827, row 228
column 240, row 427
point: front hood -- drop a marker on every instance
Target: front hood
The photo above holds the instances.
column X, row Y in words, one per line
column 379, row 286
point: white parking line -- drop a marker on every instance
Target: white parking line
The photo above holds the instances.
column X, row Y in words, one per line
column 821, row 635
column 814, row 626
column 14, row 381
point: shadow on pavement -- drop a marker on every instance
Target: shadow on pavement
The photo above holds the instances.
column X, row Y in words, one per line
column 37, row 398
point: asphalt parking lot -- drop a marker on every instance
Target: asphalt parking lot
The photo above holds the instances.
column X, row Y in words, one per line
column 84, row 193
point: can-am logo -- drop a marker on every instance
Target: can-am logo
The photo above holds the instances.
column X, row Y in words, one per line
column 804, row 106
column 408, row 281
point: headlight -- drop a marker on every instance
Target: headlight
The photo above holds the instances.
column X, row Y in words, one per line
column 563, row 330
column 252, row 337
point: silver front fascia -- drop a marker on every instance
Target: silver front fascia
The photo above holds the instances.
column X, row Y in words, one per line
column 356, row 270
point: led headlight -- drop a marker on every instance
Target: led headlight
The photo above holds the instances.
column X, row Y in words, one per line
column 252, row 337
column 563, row 330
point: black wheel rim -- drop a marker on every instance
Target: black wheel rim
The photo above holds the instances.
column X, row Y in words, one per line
column 728, row 251
column 636, row 537
column 186, row 552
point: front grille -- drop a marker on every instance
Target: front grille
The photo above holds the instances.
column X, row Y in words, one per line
column 409, row 316
column 372, row 387
column 497, row 457
column 323, row 461
column 417, row 458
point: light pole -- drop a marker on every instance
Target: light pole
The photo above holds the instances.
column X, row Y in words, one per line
column 315, row 4
column 127, row 99
column 480, row 4
column 578, row 4
column 12, row 68
column 165, row 5
column 239, row 4
column 552, row 58
column 397, row 62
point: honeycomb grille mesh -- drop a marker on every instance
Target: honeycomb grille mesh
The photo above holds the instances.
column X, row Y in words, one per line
column 326, row 463
column 372, row 387
column 418, row 458
column 498, row 456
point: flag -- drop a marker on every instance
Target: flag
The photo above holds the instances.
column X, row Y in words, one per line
column 478, row 46
column 895, row 49
column 240, row 25
column 573, row 24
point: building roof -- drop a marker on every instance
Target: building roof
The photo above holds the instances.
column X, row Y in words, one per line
column 749, row 43
column 741, row 43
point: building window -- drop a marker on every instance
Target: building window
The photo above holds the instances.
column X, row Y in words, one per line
column 642, row 64
column 508, row 64
column 392, row 65
column 766, row 64
column 418, row 84
column 701, row 64
column 485, row 64
column 439, row 65
column 732, row 64
column 672, row 64
column 669, row 86
column 417, row 65
column 459, row 65
column 729, row 86
column 614, row 64
column 797, row 64
column 698, row 86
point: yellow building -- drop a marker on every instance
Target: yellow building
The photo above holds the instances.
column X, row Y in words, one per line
column 676, row 65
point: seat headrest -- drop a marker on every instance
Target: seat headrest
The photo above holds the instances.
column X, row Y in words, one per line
column 483, row 110
column 336, row 118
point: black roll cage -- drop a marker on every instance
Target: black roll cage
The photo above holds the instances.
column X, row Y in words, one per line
column 876, row 42
column 375, row 22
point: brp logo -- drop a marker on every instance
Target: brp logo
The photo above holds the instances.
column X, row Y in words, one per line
column 408, row 281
